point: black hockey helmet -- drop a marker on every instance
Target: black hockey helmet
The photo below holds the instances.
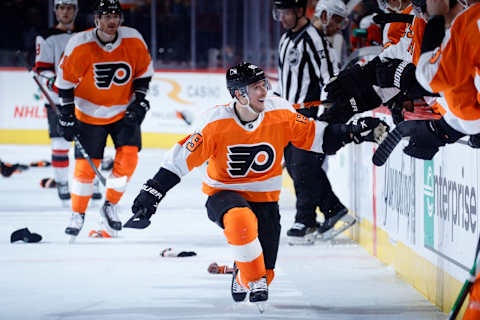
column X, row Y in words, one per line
column 241, row 75
column 108, row 6
column 286, row 4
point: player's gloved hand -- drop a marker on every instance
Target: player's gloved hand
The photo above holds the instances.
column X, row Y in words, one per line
column 368, row 129
column 136, row 111
column 145, row 205
column 395, row 73
column 67, row 122
column 353, row 86
column 337, row 135
column 474, row 141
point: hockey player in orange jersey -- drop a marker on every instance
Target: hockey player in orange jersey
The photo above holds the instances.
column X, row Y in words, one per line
column 103, row 78
column 243, row 142
column 388, row 78
column 450, row 64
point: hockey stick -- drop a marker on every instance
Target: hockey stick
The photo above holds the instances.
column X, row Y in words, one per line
column 403, row 129
column 384, row 18
column 467, row 285
column 110, row 182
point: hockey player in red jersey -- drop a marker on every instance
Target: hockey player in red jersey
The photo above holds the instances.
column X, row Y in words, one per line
column 49, row 47
column 103, row 79
column 243, row 142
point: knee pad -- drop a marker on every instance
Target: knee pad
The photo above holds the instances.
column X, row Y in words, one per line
column 126, row 159
column 241, row 226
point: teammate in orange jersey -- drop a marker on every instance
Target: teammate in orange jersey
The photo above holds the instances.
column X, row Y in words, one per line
column 450, row 64
column 244, row 143
column 103, row 79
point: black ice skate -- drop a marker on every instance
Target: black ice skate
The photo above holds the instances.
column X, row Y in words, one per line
column 327, row 231
column 300, row 234
column 259, row 293
column 109, row 214
column 239, row 292
column 75, row 225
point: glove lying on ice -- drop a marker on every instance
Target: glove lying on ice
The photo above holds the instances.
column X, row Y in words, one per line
column 364, row 129
column 426, row 137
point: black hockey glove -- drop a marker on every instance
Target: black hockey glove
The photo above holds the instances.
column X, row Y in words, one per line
column 353, row 87
column 364, row 129
column 67, row 123
column 8, row 169
column 368, row 129
column 474, row 141
column 145, row 205
column 426, row 137
column 136, row 111
column 395, row 73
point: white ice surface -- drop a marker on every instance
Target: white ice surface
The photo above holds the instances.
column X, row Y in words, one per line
column 125, row 278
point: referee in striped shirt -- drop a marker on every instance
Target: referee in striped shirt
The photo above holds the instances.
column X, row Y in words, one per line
column 306, row 63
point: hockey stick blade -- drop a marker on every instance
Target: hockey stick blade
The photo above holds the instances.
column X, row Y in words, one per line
column 136, row 222
column 386, row 147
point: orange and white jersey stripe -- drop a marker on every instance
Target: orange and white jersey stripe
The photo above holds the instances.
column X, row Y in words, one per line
column 393, row 32
column 245, row 158
column 409, row 45
column 102, row 75
column 453, row 70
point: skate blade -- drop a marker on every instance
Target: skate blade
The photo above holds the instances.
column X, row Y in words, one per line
column 332, row 233
column 260, row 306
column 72, row 239
column 111, row 232
column 301, row 241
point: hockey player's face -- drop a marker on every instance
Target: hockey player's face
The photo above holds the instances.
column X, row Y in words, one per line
column 257, row 92
column 65, row 13
column 109, row 23
column 335, row 24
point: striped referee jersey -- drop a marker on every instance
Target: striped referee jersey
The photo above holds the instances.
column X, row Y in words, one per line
column 306, row 62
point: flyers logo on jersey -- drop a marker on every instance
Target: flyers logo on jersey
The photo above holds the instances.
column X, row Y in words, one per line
column 245, row 158
column 118, row 73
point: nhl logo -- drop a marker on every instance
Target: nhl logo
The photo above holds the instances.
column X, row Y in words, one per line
column 293, row 56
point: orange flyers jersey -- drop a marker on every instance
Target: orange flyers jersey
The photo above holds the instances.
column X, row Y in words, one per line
column 453, row 70
column 394, row 31
column 245, row 158
column 409, row 45
column 102, row 75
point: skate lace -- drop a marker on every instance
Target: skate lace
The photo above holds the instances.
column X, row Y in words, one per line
column 237, row 287
column 76, row 221
column 111, row 211
column 258, row 285
column 298, row 226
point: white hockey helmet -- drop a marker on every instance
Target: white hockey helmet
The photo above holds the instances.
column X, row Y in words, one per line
column 332, row 7
column 72, row 2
